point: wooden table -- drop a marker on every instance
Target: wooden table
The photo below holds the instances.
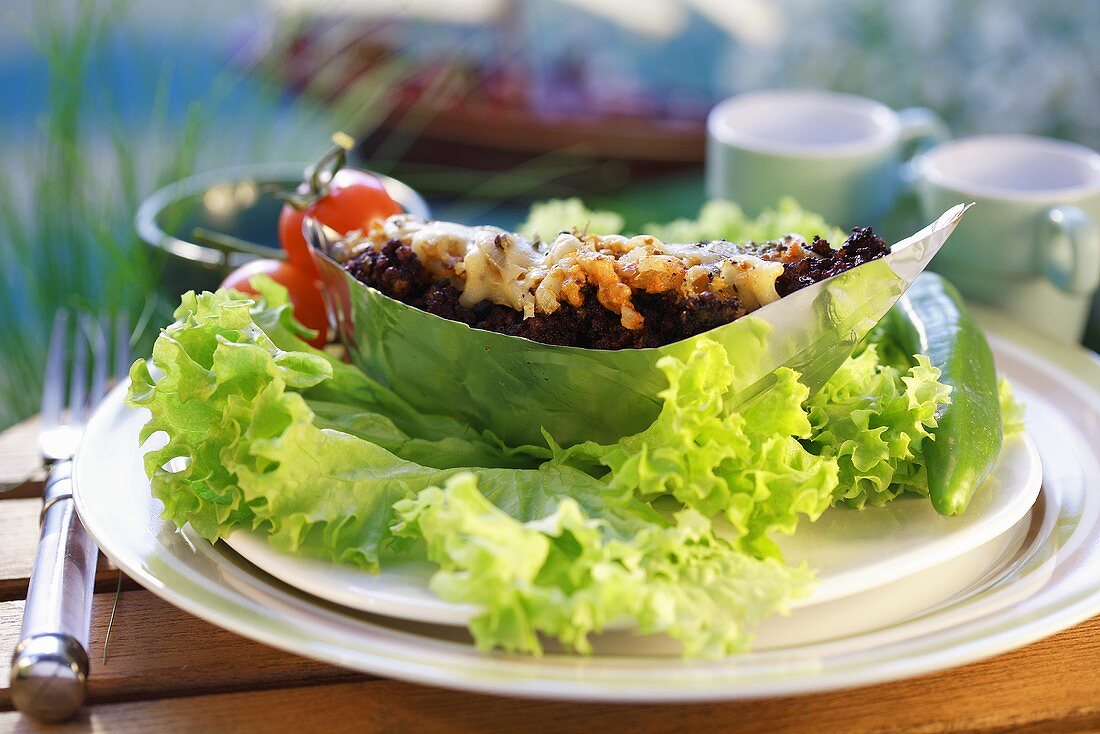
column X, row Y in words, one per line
column 168, row 671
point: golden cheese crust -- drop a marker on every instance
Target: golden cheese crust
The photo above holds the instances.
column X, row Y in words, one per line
column 534, row 277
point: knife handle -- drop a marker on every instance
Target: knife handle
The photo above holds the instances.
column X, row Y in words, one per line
column 49, row 669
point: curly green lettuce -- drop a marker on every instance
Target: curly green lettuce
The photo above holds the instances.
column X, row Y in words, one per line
column 717, row 220
column 747, row 467
column 246, row 448
column 874, row 418
column 568, row 574
column 670, row 529
column 725, row 220
column 546, row 219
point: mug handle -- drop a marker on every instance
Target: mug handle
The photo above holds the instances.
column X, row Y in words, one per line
column 1069, row 249
column 921, row 129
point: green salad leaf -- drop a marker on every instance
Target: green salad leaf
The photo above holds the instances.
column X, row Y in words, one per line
column 717, row 220
column 671, row 529
column 872, row 418
column 747, row 467
column 724, row 220
column 546, row 219
column 568, row 574
column 246, row 448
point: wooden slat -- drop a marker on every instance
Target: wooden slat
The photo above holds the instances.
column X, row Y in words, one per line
column 32, row 488
column 18, row 537
column 157, row 650
column 19, row 460
column 1051, row 686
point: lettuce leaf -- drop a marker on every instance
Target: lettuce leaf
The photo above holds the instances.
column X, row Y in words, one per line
column 873, row 418
column 546, row 219
column 717, row 220
column 724, row 220
column 670, row 528
column 747, row 467
column 568, row 575
column 245, row 447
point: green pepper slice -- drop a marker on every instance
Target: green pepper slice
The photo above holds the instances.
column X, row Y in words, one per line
column 931, row 319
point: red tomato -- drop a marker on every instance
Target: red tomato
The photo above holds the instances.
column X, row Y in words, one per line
column 305, row 292
column 351, row 200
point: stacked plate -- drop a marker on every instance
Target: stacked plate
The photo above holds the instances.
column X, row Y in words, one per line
column 901, row 590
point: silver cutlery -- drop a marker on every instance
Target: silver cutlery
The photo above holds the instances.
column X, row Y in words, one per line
column 49, row 668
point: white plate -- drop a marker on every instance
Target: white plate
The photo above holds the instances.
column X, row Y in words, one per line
column 852, row 551
column 1049, row 581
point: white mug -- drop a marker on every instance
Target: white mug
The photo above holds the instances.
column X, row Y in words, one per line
column 839, row 155
column 1031, row 245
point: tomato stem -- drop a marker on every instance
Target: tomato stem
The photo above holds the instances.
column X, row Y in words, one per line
column 318, row 176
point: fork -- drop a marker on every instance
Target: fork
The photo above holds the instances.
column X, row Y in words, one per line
column 49, row 669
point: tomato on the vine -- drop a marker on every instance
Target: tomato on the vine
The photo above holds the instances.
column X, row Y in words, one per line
column 303, row 287
column 342, row 199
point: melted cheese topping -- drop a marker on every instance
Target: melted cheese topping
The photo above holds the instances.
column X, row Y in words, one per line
column 491, row 264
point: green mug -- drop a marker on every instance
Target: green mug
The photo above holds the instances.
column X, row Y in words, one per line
column 839, row 155
column 1031, row 245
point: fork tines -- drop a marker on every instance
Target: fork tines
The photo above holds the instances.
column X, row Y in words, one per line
column 105, row 341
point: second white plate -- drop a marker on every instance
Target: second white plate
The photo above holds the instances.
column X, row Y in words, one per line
column 852, row 551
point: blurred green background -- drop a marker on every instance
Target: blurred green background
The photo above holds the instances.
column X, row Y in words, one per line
column 483, row 105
